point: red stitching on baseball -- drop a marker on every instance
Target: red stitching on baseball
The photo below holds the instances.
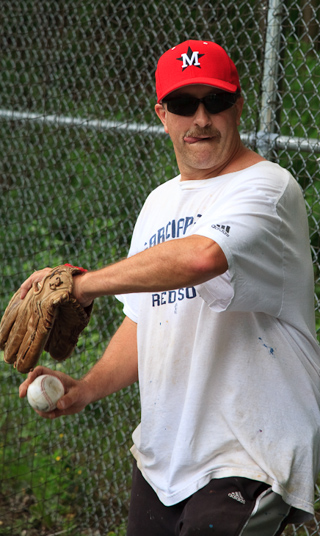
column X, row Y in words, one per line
column 45, row 394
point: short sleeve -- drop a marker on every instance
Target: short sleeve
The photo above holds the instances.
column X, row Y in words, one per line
column 130, row 305
column 251, row 228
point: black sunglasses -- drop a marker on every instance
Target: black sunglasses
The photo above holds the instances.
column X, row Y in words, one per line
column 187, row 105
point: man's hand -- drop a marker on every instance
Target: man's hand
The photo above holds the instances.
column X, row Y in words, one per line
column 36, row 277
column 76, row 398
column 39, row 275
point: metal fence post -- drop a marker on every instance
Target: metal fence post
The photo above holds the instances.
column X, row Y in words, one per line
column 270, row 79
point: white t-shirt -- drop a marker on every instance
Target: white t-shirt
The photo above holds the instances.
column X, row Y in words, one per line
column 229, row 369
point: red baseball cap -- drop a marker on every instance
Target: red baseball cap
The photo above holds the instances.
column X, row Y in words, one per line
column 195, row 62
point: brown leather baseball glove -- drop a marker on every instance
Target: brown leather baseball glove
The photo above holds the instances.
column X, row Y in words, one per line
column 49, row 318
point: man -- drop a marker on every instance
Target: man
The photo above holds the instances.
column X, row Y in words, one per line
column 219, row 326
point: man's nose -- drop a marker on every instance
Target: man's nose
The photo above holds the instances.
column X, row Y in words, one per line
column 202, row 117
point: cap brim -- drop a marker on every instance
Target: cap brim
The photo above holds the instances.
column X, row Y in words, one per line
column 219, row 84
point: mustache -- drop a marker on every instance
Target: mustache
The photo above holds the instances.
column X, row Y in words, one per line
column 206, row 132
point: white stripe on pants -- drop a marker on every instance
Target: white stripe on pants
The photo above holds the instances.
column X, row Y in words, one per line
column 267, row 516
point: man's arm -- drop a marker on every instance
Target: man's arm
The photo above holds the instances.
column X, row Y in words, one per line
column 174, row 264
column 170, row 265
column 118, row 368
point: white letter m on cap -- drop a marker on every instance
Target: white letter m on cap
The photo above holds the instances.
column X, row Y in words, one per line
column 192, row 60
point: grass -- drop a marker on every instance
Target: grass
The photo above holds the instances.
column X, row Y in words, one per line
column 70, row 474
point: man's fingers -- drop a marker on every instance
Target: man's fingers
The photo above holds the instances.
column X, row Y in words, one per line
column 77, row 394
column 25, row 287
column 38, row 371
column 64, row 407
column 36, row 277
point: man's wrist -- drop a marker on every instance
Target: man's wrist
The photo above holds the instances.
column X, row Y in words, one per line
column 80, row 289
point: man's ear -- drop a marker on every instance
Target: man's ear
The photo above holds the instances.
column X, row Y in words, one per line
column 239, row 106
column 162, row 114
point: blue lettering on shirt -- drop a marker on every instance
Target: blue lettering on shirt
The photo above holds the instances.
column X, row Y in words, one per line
column 173, row 229
column 171, row 296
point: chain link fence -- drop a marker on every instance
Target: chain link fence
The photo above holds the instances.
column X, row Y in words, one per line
column 80, row 149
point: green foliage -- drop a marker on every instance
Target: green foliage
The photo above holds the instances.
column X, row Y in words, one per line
column 47, row 467
column 298, row 118
column 299, row 88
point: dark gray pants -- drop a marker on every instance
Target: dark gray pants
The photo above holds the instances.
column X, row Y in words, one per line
column 231, row 506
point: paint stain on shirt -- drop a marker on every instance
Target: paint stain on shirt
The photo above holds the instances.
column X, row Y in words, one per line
column 269, row 348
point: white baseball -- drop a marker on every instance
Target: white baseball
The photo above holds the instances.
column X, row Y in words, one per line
column 44, row 393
